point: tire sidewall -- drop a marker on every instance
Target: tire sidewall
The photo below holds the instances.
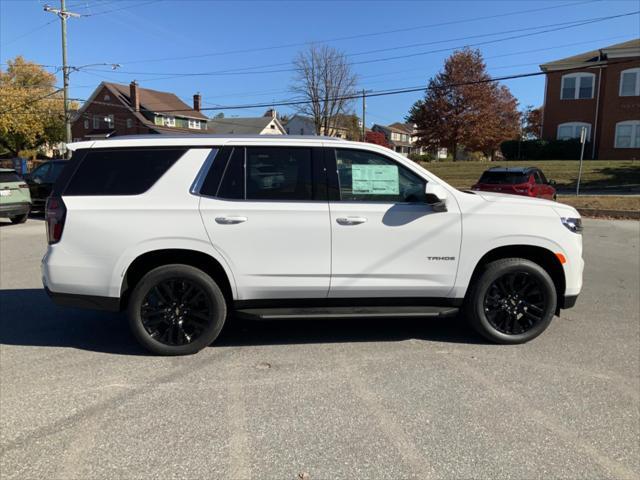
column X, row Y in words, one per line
column 496, row 270
column 215, row 298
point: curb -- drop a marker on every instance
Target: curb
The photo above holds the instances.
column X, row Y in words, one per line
column 598, row 212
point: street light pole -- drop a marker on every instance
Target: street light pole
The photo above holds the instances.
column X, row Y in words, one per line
column 63, row 15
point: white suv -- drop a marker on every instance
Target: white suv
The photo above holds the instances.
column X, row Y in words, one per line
column 184, row 231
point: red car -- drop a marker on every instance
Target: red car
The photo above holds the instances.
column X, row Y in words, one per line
column 527, row 181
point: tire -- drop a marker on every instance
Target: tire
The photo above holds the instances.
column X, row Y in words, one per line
column 496, row 309
column 176, row 310
column 19, row 218
column 555, row 197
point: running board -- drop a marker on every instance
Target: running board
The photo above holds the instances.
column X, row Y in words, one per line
column 345, row 312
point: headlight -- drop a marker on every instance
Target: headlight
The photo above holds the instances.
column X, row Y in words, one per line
column 573, row 224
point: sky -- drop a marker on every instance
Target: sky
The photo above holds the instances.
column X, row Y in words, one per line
column 242, row 51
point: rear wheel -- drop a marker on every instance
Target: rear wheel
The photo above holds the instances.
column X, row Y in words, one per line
column 513, row 301
column 176, row 310
column 19, row 218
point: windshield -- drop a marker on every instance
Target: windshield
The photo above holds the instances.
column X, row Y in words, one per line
column 504, row 177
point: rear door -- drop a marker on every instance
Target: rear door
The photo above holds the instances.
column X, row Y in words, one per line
column 266, row 211
column 386, row 240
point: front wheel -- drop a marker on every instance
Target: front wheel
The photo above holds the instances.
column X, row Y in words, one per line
column 176, row 310
column 513, row 301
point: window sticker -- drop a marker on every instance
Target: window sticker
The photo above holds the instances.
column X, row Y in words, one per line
column 375, row 179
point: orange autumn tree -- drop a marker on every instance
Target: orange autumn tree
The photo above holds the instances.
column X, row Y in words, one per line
column 463, row 109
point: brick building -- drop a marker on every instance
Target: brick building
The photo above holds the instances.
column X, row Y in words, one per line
column 115, row 109
column 601, row 91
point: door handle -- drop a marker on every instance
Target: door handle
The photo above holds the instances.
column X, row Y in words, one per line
column 351, row 220
column 230, row 220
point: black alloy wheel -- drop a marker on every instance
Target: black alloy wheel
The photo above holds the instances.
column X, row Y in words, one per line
column 175, row 311
column 512, row 300
column 515, row 303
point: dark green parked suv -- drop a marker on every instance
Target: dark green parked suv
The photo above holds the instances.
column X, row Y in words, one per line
column 15, row 199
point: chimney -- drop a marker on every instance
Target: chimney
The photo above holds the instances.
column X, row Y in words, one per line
column 134, row 96
column 271, row 113
column 197, row 101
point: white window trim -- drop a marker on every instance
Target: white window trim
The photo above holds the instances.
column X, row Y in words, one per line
column 574, row 125
column 635, row 133
column 576, row 89
column 170, row 121
column 195, row 124
column 637, row 86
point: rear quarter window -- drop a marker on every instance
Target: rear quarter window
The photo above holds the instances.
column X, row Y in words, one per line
column 121, row 171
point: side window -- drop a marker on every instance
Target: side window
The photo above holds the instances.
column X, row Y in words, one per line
column 54, row 172
column 40, row 174
column 366, row 176
column 121, row 171
column 232, row 184
column 540, row 178
column 278, row 174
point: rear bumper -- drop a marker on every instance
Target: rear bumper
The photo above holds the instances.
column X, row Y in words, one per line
column 109, row 304
column 13, row 209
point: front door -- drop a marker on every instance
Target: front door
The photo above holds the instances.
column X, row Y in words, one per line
column 269, row 217
column 387, row 241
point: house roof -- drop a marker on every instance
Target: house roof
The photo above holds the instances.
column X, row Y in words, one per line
column 593, row 56
column 241, row 126
column 156, row 101
column 403, row 127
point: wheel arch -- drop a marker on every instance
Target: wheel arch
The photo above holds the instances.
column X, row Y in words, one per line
column 156, row 258
column 539, row 255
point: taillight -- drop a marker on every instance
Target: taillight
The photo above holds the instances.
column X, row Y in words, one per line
column 23, row 185
column 55, row 214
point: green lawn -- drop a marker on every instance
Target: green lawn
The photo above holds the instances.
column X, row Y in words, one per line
column 595, row 173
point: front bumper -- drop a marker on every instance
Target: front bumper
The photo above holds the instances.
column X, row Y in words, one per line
column 569, row 301
column 14, row 209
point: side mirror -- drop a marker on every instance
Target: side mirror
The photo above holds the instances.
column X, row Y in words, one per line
column 436, row 196
column 37, row 180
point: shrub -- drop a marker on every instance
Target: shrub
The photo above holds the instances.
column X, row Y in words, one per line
column 425, row 157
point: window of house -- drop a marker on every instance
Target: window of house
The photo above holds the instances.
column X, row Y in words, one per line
column 302, row 131
column 129, row 123
column 170, row 121
column 628, row 134
column 110, row 120
column 96, row 121
column 86, row 124
column 366, row 176
column 567, row 131
column 577, row 86
column 107, row 98
column 194, row 124
column 630, row 82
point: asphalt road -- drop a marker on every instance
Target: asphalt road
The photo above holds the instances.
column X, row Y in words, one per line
column 332, row 399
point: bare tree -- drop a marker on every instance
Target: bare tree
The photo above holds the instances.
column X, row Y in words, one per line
column 323, row 78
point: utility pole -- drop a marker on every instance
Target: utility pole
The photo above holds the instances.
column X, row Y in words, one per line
column 63, row 15
column 364, row 111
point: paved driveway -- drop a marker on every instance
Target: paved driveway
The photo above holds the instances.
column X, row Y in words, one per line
column 333, row 399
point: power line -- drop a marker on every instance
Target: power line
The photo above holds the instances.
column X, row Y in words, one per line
column 380, row 93
column 363, row 35
column 28, row 33
column 248, row 71
column 104, row 12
